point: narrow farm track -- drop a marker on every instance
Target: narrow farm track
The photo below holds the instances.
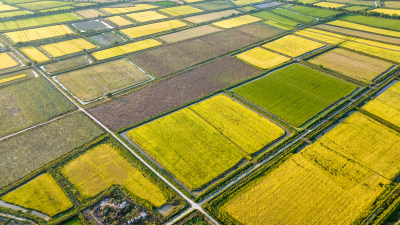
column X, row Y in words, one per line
column 16, row 218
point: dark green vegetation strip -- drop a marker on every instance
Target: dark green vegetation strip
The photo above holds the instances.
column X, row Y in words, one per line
column 293, row 15
column 391, row 24
column 312, row 11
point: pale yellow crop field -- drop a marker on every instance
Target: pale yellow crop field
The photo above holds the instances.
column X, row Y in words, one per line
column 327, row 33
column 329, row 4
column 237, row 21
column 293, row 46
column 125, row 49
column 67, row 47
column 8, row 79
column 41, row 194
column 120, row 21
column 356, row 26
column 180, row 10
column 7, row 61
column 34, row 54
column 262, row 58
column 320, row 37
column 387, row 11
column 377, row 44
column 138, row 7
column 211, row 16
column 38, row 33
column 189, row 33
column 373, row 50
column 102, row 166
column 387, row 105
column 246, row 2
column 153, row 28
column 146, row 16
column 4, row 7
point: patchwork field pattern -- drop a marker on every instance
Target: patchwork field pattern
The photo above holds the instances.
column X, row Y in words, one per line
column 7, row 61
column 320, row 36
column 355, row 26
column 189, row 33
column 101, row 166
column 146, row 16
column 329, row 4
column 372, row 50
column 180, row 10
column 34, row 54
column 237, row 21
column 66, row 64
column 96, row 81
column 120, row 21
column 67, row 47
column 37, row 21
column 211, row 16
column 38, row 33
column 205, row 139
column 293, row 46
column 357, row 66
column 41, row 194
column 262, row 58
column 295, row 93
column 137, row 7
column 144, row 30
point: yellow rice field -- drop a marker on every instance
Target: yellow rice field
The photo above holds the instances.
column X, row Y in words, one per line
column 373, row 50
column 41, row 194
column 146, row 16
column 329, row 4
column 125, row 49
column 180, row 10
column 356, row 26
column 120, row 21
column 8, row 79
column 377, row 44
column 262, row 58
column 34, row 54
column 293, row 46
column 102, row 166
column 237, row 21
column 138, row 7
column 4, row 7
column 309, row 32
column 387, row 11
column 387, row 105
column 67, row 47
column 38, row 33
column 7, row 61
column 140, row 31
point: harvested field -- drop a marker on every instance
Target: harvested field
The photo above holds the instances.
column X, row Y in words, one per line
column 107, row 38
column 245, row 2
column 329, row 4
column 386, row 23
column 90, row 13
column 125, row 49
column 319, row 179
column 37, row 21
column 46, row 143
column 10, row 78
column 293, row 46
column 96, row 81
column 354, row 65
column 38, row 33
column 137, row 7
column 180, row 10
column 236, row 21
column 13, row 13
column 66, row 64
column 205, row 139
column 260, row 30
column 392, row 4
column 355, row 26
column 293, row 15
column 41, row 194
column 173, row 92
column 295, row 93
column 7, row 61
column 386, row 105
column 144, row 30
column 146, row 16
column 38, row 5
column 102, row 166
column 189, row 34
column 34, row 54
column 319, row 36
column 211, row 16
column 372, row 50
column 268, row 5
column 91, row 25
column 361, row 34
column 276, row 18
column 29, row 103
column 262, row 58
column 213, row 5
column 67, row 47
column 312, row 11
column 391, row 12
column 119, row 20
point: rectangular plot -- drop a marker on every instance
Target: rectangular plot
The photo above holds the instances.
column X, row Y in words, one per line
column 10, row 78
column 120, row 21
column 392, row 12
column 213, row 5
column 38, row 5
column 90, row 13
column 137, row 7
column 38, row 33
column 107, row 38
column 314, row 34
column 211, row 16
column 372, row 50
column 66, row 64
column 146, row 16
column 374, row 21
column 7, row 61
column 279, row 19
column 293, row 15
column 312, row 11
column 37, row 21
column 262, row 58
column 14, row 13
column 329, row 4
column 180, row 10
column 293, row 46
column 189, row 33
column 67, row 47
column 91, row 25
column 144, row 30
column 236, row 21
column 260, row 30
column 34, row 54
column 355, row 26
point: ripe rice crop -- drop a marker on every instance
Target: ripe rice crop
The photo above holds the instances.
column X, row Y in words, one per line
column 12, row 78
column 372, row 50
column 205, row 139
column 137, row 7
column 211, row 16
column 236, row 21
column 38, row 33
column 377, row 44
column 144, row 30
column 262, row 58
column 90, row 13
column 317, row 35
column 180, row 10
column 391, row 12
column 361, row 27
column 295, row 93
column 146, row 16
column 125, row 49
column 4, row 7
column 120, row 21
column 7, row 61
column 386, row 105
column 293, row 46
column 37, row 21
column 42, row 194
column 357, row 66
column 329, row 4
column 34, row 54
column 67, row 47
column 102, row 166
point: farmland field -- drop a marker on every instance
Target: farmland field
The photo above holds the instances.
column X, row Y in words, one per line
column 37, row 21
column 320, row 36
column 38, row 33
column 213, row 5
column 4, row 7
column 38, row 5
column 101, row 166
column 42, row 194
column 355, row 8
column 355, row 26
column 245, row 2
column 144, row 30
column 66, row 64
column 391, row 24
column 90, row 13
column 372, row 50
column 13, row 13
column 146, row 16
column 91, row 25
column 7, row 61
column 46, row 143
column 293, row 46
column 181, row 89
column 137, row 7
column 236, row 21
column 189, row 33
column 295, row 93
column 391, row 12
column 293, row 15
column 67, row 47
column 319, row 179
column 262, row 58
column 329, row 4
column 386, row 105
column 180, row 10
column 10, row 78
column 357, row 66
column 211, row 16
column 276, row 18
column 205, row 139
column 120, row 21
column 316, row 12
column 96, row 81
column 107, row 38
column 34, row 54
